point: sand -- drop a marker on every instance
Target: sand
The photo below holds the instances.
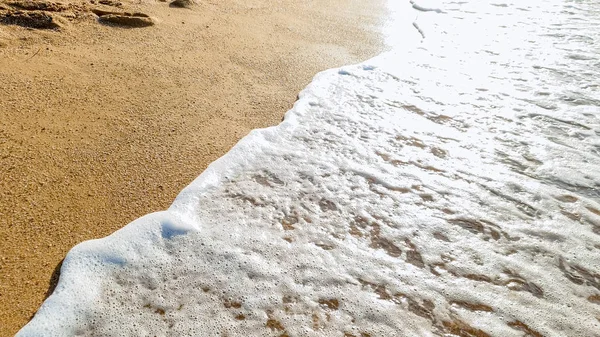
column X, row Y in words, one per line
column 101, row 123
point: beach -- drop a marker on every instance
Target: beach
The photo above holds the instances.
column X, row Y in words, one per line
column 448, row 186
column 101, row 124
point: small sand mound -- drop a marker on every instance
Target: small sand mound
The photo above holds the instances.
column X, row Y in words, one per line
column 111, row 3
column 43, row 14
column 38, row 6
column 38, row 20
column 182, row 3
column 127, row 20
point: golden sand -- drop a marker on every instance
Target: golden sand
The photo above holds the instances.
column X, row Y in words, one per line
column 101, row 124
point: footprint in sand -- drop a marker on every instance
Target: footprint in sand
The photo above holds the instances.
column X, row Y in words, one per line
column 127, row 20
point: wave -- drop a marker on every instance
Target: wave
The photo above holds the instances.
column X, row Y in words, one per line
column 446, row 189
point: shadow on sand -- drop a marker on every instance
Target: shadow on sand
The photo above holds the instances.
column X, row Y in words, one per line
column 52, row 283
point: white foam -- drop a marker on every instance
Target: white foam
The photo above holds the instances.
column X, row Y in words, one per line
column 429, row 191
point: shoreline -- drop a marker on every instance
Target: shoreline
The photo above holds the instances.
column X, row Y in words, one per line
column 104, row 124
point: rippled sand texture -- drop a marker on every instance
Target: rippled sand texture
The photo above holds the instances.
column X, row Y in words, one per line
column 445, row 190
column 101, row 124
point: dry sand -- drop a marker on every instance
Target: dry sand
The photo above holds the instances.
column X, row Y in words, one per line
column 102, row 124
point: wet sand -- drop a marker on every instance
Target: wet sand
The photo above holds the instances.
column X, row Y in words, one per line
column 102, row 124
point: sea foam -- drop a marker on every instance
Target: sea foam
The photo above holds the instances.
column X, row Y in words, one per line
column 447, row 189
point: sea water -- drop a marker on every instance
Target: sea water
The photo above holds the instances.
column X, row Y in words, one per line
column 450, row 187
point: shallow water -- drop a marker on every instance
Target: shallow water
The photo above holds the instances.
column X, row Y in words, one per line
column 450, row 187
